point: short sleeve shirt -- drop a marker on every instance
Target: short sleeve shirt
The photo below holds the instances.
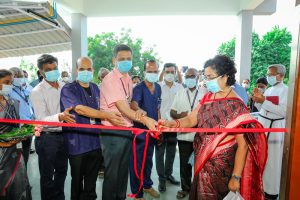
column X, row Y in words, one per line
column 147, row 101
column 80, row 140
column 115, row 87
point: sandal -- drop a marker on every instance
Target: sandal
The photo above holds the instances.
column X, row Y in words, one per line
column 181, row 194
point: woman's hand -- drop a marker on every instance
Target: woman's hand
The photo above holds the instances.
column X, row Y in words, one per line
column 234, row 185
column 167, row 124
column 115, row 118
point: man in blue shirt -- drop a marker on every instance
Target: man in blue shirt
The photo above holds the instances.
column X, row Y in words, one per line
column 241, row 92
column 83, row 144
column 26, row 110
column 146, row 99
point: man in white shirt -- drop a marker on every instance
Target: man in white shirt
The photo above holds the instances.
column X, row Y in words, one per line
column 53, row 161
column 185, row 101
column 272, row 112
column 164, row 167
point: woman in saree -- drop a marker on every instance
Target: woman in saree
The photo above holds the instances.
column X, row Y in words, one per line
column 224, row 162
column 14, row 183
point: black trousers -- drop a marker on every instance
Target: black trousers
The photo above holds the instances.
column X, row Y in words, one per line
column 185, row 151
column 271, row 196
column 26, row 144
column 164, row 166
column 116, row 148
column 53, row 165
column 84, row 172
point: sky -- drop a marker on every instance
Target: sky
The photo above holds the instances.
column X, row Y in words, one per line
column 185, row 40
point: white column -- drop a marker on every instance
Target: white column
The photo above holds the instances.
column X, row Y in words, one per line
column 79, row 39
column 243, row 45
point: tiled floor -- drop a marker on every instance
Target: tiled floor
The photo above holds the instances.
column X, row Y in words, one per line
column 33, row 172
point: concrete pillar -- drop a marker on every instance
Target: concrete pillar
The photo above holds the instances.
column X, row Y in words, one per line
column 243, row 45
column 79, row 39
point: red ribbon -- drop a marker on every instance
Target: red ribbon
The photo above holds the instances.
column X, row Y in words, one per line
column 154, row 134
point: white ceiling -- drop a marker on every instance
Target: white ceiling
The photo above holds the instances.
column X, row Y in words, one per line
column 106, row 8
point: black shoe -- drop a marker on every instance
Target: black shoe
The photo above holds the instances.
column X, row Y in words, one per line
column 162, row 187
column 173, row 180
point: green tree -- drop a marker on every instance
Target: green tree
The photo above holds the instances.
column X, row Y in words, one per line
column 29, row 68
column 100, row 49
column 273, row 47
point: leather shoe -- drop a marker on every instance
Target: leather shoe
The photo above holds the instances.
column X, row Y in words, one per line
column 173, row 180
column 161, row 187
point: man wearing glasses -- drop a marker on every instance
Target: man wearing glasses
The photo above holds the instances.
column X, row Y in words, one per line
column 272, row 106
column 185, row 101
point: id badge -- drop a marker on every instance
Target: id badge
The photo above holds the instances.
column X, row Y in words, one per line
column 19, row 145
column 92, row 121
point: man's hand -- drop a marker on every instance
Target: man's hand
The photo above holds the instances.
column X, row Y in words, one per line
column 258, row 98
column 139, row 114
column 115, row 118
column 183, row 114
column 149, row 122
column 66, row 116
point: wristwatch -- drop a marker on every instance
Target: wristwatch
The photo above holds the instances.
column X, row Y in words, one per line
column 235, row 177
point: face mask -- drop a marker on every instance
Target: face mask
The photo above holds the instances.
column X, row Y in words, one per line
column 213, row 85
column 19, row 82
column 245, row 85
column 124, row 66
column 272, row 80
column 190, row 82
column 85, row 76
column 262, row 90
column 151, row 77
column 6, row 89
column 170, row 77
column 66, row 79
column 52, row 76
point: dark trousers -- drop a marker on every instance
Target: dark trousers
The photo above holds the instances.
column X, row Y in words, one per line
column 116, row 148
column 84, row 172
column 164, row 166
column 134, row 181
column 185, row 151
column 53, row 165
column 26, row 144
column 271, row 196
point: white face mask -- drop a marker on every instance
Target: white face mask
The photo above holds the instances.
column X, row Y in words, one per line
column 6, row 89
column 170, row 77
column 66, row 79
column 245, row 85
column 262, row 90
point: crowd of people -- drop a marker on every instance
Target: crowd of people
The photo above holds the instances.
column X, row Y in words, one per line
column 211, row 164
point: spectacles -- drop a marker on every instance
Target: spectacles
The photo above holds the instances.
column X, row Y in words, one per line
column 205, row 78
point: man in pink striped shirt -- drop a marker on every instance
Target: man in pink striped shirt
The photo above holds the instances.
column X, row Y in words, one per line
column 115, row 95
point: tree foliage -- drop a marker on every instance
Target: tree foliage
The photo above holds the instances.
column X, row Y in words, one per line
column 273, row 47
column 100, row 50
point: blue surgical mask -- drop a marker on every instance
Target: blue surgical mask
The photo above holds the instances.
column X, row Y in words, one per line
column 213, row 85
column 151, row 77
column 19, row 82
column 85, row 76
column 124, row 66
column 272, row 80
column 190, row 82
column 169, row 78
column 52, row 76
column 6, row 89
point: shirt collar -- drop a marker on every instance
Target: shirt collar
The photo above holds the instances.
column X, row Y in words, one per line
column 46, row 85
column 119, row 75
